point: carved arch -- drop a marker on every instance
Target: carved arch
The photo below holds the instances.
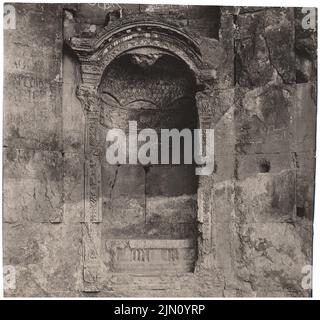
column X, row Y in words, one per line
column 95, row 54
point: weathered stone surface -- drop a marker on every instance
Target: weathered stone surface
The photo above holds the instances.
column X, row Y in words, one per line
column 73, row 116
column 224, row 134
column 224, row 169
column 225, row 239
column 76, row 226
column 305, row 45
column 46, row 258
column 223, row 201
column 279, row 37
column 227, row 38
column 273, row 255
column 73, row 191
column 303, row 118
column 266, row 197
column 218, row 70
column 253, row 165
column 262, row 118
column 305, row 162
column 264, row 47
column 32, row 86
column 34, row 119
column 34, row 186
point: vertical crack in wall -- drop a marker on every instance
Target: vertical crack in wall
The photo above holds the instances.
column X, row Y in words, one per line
column 270, row 58
column 236, row 58
column 113, row 183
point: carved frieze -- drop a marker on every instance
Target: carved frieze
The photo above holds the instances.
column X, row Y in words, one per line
column 95, row 54
column 151, row 256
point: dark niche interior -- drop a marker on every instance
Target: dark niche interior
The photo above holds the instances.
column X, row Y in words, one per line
column 155, row 202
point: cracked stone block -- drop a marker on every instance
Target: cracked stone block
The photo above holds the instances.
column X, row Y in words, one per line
column 218, row 70
column 226, row 70
column 216, row 105
column 305, row 45
column 73, row 190
column 33, row 187
column 253, row 67
column 262, row 119
column 42, row 254
column 251, row 165
column 32, row 90
column 35, row 50
column 274, row 256
column 305, row 163
column 73, row 116
column 266, row 197
column 222, row 201
column 224, row 169
column 87, row 13
column 303, row 119
column 33, row 119
column 47, row 209
column 225, row 254
column 280, row 37
column 264, row 47
column 224, row 134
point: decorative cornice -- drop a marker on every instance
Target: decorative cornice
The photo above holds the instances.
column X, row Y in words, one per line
column 95, row 54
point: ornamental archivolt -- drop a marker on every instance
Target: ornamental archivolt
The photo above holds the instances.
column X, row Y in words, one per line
column 95, row 54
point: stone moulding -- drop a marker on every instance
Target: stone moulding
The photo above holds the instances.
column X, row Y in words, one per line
column 95, row 54
column 151, row 255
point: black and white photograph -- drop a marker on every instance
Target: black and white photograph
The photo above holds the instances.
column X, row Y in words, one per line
column 159, row 150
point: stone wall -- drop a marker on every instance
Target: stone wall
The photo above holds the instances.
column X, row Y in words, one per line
column 256, row 88
column 39, row 239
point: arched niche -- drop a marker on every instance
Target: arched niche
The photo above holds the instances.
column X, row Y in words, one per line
column 147, row 206
column 150, row 40
column 131, row 34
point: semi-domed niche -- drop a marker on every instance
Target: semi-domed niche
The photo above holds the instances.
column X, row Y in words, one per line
column 149, row 212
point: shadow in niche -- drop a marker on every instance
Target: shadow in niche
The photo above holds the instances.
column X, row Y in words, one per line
column 149, row 213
